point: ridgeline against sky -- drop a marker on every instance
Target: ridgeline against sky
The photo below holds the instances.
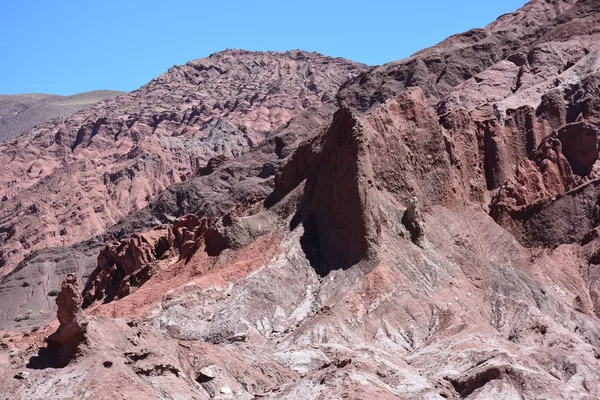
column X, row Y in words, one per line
column 70, row 47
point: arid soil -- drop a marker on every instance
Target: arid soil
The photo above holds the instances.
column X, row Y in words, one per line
column 427, row 229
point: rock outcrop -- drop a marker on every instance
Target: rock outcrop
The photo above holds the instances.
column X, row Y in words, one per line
column 125, row 265
column 63, row 343
column 565, row 161
column 128, row 264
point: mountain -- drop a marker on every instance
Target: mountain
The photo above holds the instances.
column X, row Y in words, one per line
column 22, row 112
column 426, row 229
column 67, row 181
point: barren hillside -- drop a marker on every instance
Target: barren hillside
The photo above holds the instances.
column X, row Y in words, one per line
column 20, row 113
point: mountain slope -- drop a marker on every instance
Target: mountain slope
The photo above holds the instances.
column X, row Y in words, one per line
column 67, row 181
column 20, row 113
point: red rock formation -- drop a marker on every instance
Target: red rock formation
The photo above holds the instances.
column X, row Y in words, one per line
column 73, row 324
column 546, row 174
column 565, row 160
column 128, row 264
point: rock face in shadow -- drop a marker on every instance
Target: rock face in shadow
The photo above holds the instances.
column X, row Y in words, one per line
column 361, row 167
column 335, row 210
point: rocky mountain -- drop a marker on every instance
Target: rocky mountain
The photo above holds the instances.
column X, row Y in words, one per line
column 68, row 181
column 22, row 112
column 427, row 229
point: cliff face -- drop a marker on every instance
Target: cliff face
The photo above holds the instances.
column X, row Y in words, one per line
column 433, row 233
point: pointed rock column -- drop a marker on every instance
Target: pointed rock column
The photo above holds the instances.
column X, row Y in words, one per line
column 73, row 324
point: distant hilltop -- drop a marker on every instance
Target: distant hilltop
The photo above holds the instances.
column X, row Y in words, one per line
column 21, row 112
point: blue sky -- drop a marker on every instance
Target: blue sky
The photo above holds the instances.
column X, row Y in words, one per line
column 72, row 46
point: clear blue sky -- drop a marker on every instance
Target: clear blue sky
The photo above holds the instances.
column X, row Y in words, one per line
column 72, row 46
